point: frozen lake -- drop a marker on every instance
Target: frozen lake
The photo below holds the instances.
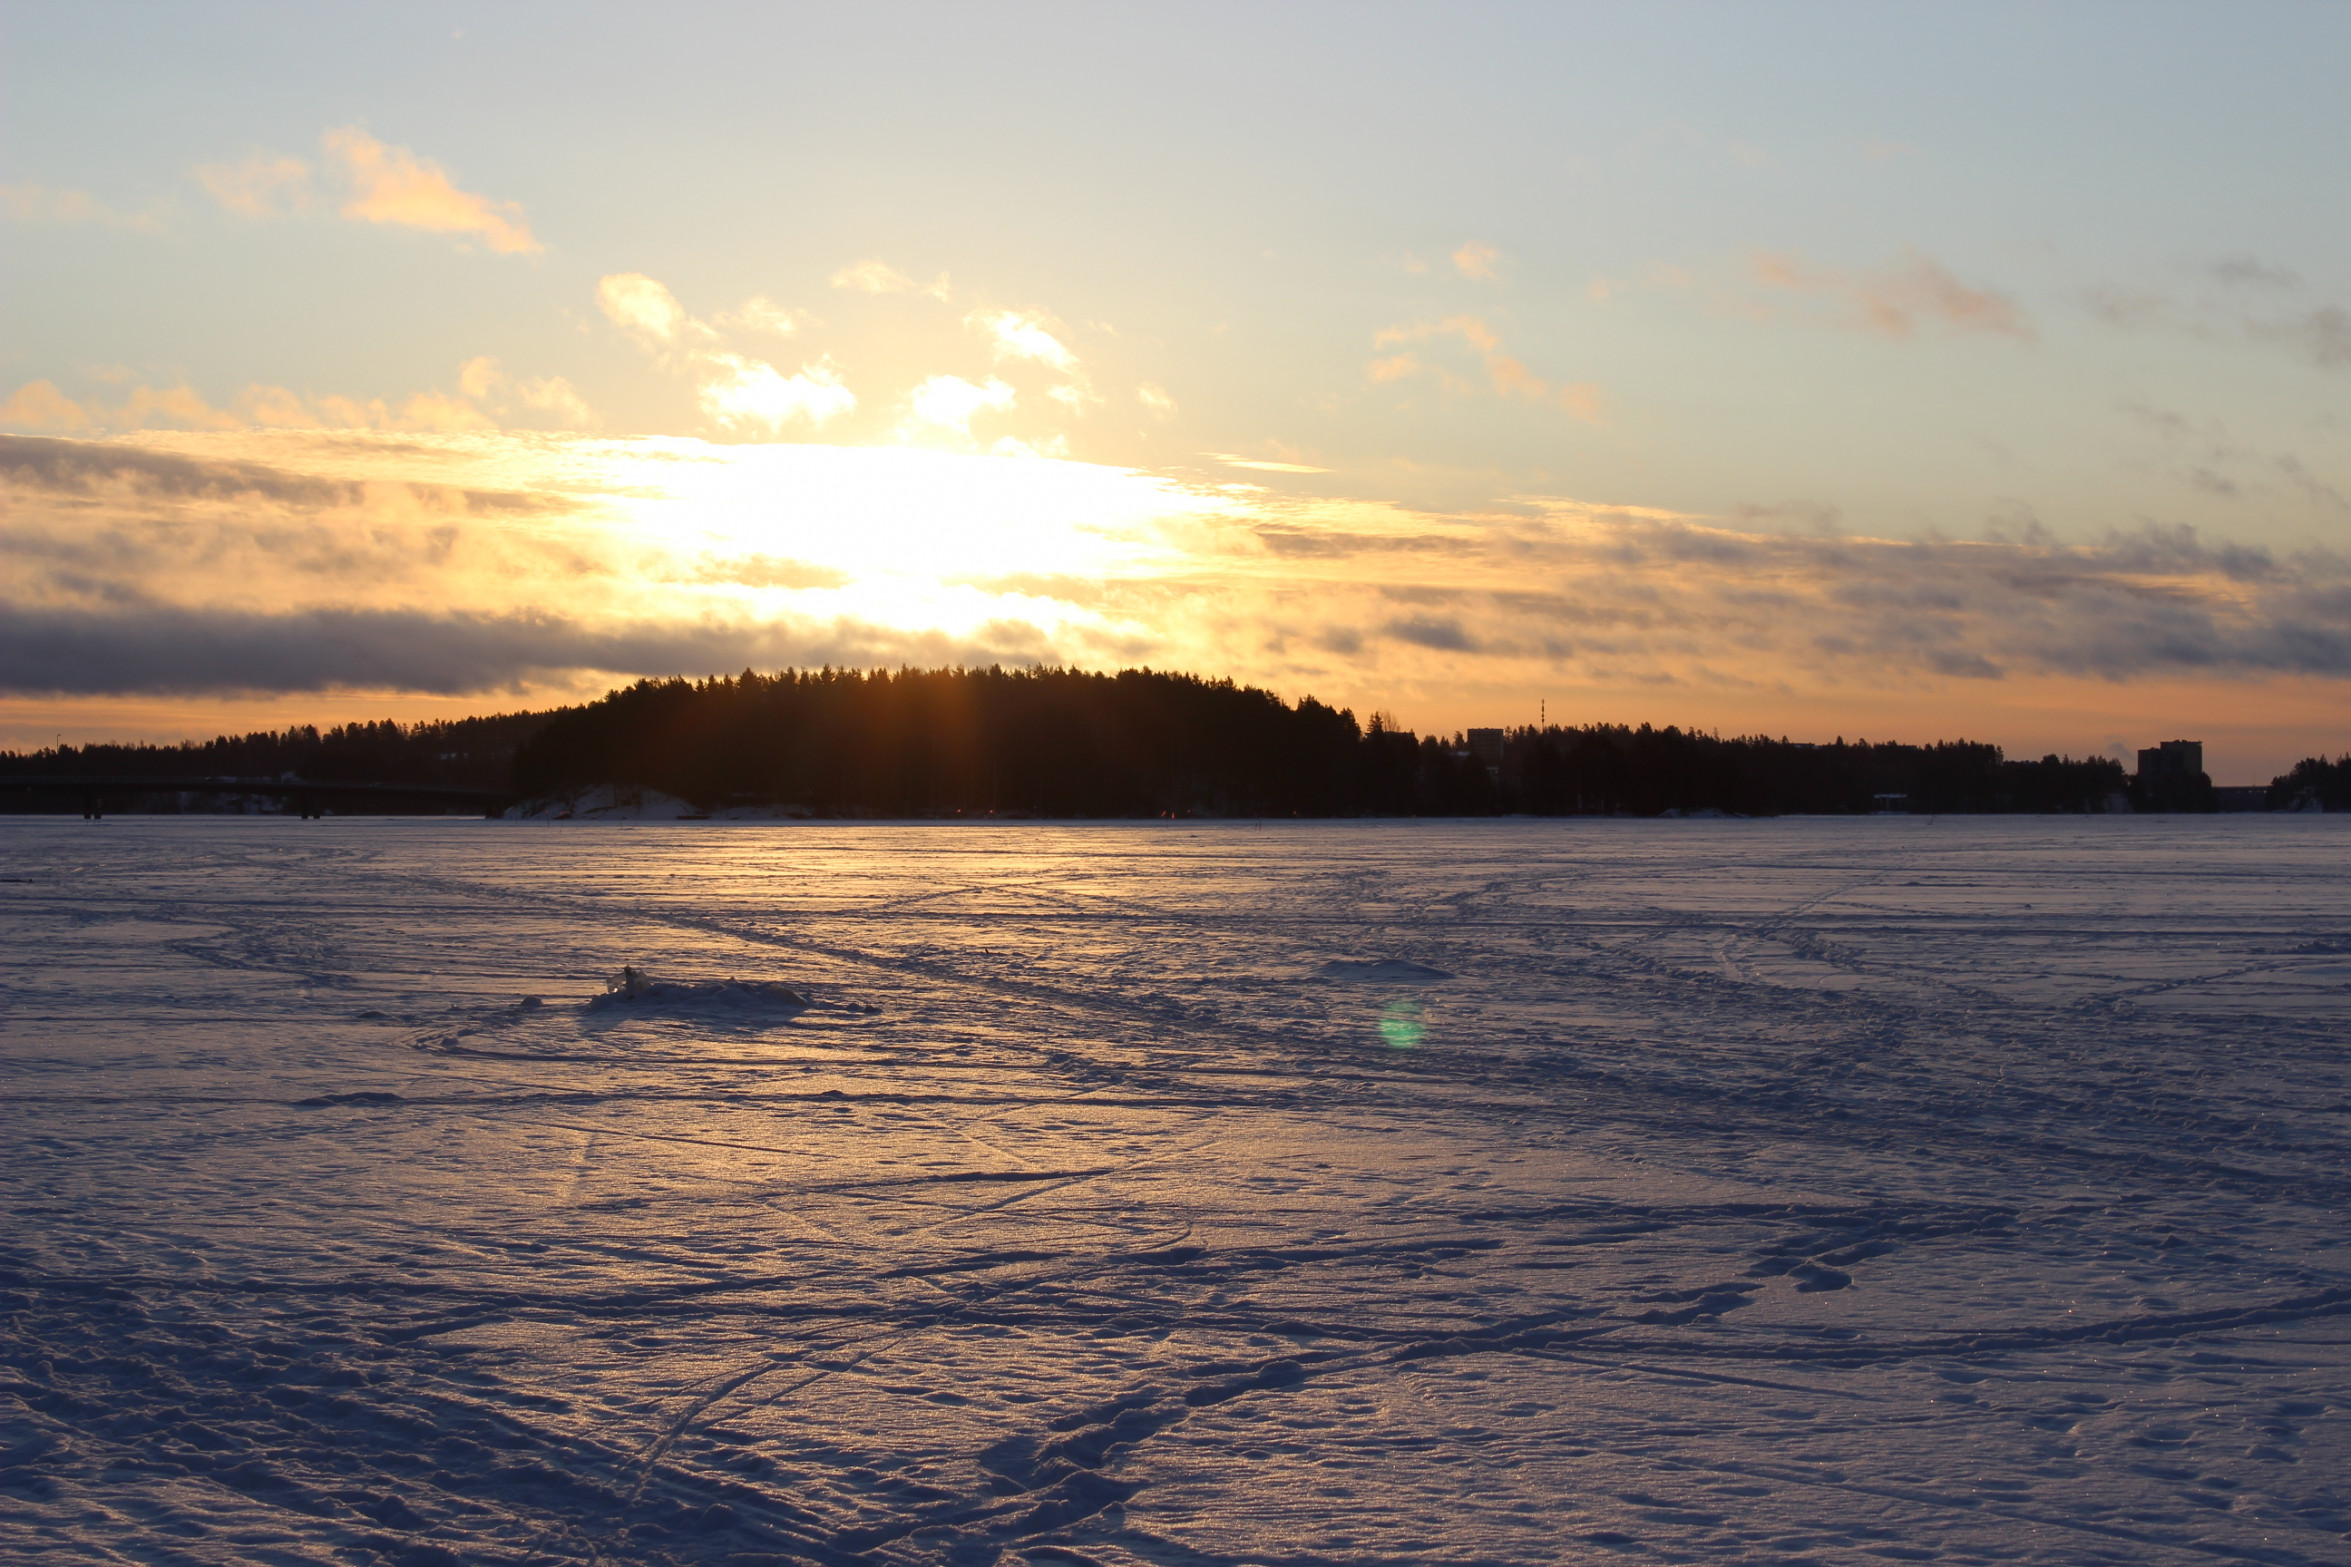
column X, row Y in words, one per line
column 1403, row 1192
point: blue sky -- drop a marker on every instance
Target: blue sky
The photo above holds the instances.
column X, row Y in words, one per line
column 2043, row 279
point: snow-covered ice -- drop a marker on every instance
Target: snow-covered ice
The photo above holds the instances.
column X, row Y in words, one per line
column 1584, row 1191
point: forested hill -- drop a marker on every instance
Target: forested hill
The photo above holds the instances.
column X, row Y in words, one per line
column 464, row 752
column 1057, row 742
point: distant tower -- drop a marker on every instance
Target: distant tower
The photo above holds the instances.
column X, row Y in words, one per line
column 2174, row 759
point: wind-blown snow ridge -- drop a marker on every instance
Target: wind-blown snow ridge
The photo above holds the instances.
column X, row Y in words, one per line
column 1833, row 1192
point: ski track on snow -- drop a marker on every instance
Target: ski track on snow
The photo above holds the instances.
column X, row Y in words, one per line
column 1829, row 1191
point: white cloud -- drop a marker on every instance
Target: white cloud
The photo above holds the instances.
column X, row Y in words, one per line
column 1260, row 465
column 1021, row 336
column 1155, row 400
column 742, row 393
column 476, row 376
column 760, row 314
column 949, row 402
column 879, row 277
column 739, row 392
column 873, row 277
column 639, row 305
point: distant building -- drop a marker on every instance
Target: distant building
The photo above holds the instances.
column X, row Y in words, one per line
column 2171, row 778
column 2178, row 760
column 1486, row 746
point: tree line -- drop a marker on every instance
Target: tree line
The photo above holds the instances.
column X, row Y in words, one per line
column 1069, row 743
column 1060, row 742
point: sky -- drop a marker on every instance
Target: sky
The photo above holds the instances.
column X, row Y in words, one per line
column 1884, row 370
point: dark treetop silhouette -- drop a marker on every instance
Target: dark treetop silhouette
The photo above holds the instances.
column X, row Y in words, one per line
column 1064, row 742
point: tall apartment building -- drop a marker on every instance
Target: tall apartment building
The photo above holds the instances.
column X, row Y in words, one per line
column 2174, row 759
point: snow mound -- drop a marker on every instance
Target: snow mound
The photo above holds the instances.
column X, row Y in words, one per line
column 634, row 988
column 1380, row 971
column 607, row 803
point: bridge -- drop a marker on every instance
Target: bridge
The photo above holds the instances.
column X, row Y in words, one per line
column 309, row 796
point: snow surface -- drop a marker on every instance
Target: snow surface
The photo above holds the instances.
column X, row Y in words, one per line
column 1834, row 1191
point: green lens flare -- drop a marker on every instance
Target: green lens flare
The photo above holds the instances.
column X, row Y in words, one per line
column 1400, row 1024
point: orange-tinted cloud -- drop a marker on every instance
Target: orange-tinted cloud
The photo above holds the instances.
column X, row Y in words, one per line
column 39, row 405
column 393, row 185
column 44, row 205
column 379, row 183
column 1510, row 376
column 1476, row 259
column 259, row 187
column 1896, row 298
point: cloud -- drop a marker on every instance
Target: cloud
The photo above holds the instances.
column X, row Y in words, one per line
column 254, row 561
column 552, row 394
column 83, row 468
column 160, row 649
column 476, row 377
column 873, row 277
column 743, row 393
column 261, row 186
column 378, row 183
column 1896, row 298
column 155, row 649
column 644, row 308
column 769, row 571
column 948, row 402
column 759, row 314
column 1262, row 465
column 879, row 277
column 479, row 380
column 1444, row 635
column 39, row 204
column 1509, row 376
column 2322, row 336
column 2242, row 271
column 2252, row 306
column 1155, row 400
column 393, row 185
column 1022, row 336
column 39, row 405
column 739, row 392
column 1476, row 260
column 438, row 411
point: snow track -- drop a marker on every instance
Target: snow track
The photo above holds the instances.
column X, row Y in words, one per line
column 1849, row 1191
